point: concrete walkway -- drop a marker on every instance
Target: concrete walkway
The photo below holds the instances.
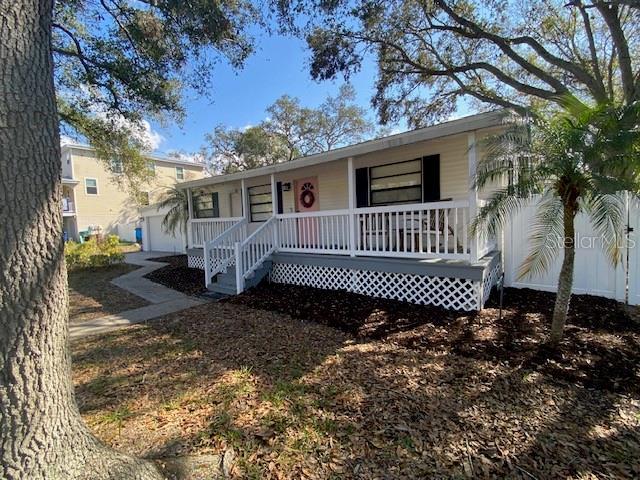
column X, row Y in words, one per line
column 163, row 300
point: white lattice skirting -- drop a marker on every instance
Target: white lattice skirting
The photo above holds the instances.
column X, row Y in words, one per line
column 490, row 279
column 195, row 262
column 452, row 293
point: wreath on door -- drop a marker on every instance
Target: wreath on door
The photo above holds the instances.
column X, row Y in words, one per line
column 307, row 198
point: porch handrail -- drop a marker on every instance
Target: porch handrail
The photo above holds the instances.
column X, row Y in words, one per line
column 202, row 230
column 216, row 219
column 219, row 252
column 415, row 206
column 251, row 253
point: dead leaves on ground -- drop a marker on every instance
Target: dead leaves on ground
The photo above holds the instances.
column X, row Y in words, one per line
column 293, row 399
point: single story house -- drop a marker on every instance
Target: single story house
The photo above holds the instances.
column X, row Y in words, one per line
column 388, row 217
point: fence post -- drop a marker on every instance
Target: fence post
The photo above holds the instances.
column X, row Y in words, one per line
column 239, row 276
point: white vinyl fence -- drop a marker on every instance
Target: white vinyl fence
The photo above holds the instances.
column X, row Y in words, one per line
column 594, row 274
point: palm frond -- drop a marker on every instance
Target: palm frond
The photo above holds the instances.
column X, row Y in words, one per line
column 547, row 231
column 495, row 213
column 606, row 213
column 178, row 215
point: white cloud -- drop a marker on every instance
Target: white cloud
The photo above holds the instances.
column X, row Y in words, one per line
column 186, row 157
column 141, row 132
column 150, row 137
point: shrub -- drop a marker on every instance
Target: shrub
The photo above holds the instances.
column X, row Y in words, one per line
column 93, row 253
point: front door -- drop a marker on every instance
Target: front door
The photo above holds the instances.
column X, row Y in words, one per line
column 307, row 200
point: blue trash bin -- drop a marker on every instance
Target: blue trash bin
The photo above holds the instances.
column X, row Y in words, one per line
column 138, row 235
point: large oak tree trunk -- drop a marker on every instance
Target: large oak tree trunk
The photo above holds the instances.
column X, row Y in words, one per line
column 565, row 279
column 41, row 432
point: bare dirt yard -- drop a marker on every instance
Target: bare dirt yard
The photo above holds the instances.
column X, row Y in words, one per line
column 292, row 392
column 92, row 295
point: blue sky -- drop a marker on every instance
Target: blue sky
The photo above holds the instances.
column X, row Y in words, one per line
column 239, row 98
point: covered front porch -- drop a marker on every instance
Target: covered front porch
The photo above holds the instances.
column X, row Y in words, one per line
column 410, row 200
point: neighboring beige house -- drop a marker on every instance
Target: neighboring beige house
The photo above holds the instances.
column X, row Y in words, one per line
column 93, row 199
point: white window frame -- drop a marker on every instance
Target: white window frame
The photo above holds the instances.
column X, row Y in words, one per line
column 181, row 176
column 85, row 186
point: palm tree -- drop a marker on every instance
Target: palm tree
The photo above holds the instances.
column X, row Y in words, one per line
column 578, row 161
column 178, row 214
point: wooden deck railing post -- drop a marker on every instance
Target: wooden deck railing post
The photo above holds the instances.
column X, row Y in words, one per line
column 207, row 266
column 352, row 212
column 239, row 272
column 189, row 223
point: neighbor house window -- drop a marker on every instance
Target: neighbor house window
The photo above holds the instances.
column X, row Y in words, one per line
column 396, row 183
column 116, row 165
column 260, row 206
column 206, row 205
column 91, row 186
column 144, row 198
column 180, row 173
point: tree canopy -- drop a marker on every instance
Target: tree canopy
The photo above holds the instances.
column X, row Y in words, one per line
column 118, row 61
column 290, row 130
column 506, row 53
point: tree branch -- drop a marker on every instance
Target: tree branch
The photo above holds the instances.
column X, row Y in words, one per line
column 610, row 14
column 504, row 45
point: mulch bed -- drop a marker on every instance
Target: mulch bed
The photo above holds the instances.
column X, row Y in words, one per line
column 601, row 348
column 178, row 276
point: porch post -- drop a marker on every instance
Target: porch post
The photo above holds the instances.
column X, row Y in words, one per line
column 274, row 193
column 243, row 192
column 190, row 206
column 352, row 207
column 274, row 210
column 473, row 195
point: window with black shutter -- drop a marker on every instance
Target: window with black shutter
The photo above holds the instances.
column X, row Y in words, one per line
column 410, row 181
column 206, row 205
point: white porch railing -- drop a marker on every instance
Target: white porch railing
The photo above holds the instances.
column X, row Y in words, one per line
column 202, row 230
column 219, row 253
column 67, row 205
column 252, row 252
column 426, row 230
column 486, row 243
column 315, row 232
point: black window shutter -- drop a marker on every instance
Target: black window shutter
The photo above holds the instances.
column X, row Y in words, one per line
column 362, row 187
column 216, row 205
column 431, row 178
column 279, row 197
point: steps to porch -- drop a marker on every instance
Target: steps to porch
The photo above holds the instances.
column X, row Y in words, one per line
column 225, row 282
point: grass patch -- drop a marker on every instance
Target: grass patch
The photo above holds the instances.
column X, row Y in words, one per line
column 92, row 295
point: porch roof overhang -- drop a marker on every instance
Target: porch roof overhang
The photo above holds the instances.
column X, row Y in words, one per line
column 454, row 127
column 69, row 181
